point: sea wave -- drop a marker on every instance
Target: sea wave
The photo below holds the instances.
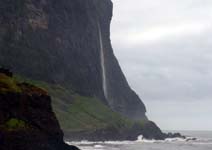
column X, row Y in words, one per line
column 97, row 143
column 141, row 139
column 178, row 139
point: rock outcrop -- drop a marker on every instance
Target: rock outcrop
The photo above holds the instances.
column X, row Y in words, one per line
column 27, row 121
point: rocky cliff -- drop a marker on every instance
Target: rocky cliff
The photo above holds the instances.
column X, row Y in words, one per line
column 59, row 42
column 64, row 46
column 27, row 121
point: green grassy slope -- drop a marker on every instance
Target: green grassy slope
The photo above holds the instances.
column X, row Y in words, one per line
column 79, row 113
column 90, row 114
column 89, row 118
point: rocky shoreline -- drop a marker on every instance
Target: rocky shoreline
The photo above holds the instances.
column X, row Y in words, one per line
column 148, row 131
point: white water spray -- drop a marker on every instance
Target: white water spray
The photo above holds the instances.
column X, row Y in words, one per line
column 104, row 81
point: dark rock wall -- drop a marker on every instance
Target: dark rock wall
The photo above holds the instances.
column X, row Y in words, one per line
column 57, row 41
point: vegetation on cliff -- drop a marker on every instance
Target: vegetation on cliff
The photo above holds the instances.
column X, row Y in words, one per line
column 80, row 113
column 8, row 84
column 15, row 124
column 88, row 117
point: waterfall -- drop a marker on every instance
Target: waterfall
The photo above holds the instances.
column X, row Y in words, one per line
column 102, row 58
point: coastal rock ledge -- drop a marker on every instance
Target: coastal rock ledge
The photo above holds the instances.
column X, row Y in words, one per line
column 27, row 121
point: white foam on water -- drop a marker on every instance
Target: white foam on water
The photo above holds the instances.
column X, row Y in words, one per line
column 175, row 140
column 186, row 139
column 98, row 146
column 84, row 142
column 119, row 142
column 100, row 143
column 141, row 139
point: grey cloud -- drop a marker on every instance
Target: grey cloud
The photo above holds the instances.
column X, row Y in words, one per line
column 173, row 69
column 179, row 70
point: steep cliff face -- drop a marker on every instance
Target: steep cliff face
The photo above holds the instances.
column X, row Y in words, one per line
column 27, row 121
column 67, row 43
column 119, row 95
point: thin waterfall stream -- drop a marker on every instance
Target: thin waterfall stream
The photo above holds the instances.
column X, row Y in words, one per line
column 104, row 80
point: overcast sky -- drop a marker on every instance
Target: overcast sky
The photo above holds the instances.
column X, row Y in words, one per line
column 165, row 50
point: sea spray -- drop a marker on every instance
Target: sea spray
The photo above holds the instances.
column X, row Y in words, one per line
column 102, row 58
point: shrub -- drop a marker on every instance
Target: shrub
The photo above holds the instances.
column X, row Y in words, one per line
column 15, row 124
column 8, row 84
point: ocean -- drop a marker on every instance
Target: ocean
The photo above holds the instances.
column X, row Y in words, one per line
column 203, row 142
